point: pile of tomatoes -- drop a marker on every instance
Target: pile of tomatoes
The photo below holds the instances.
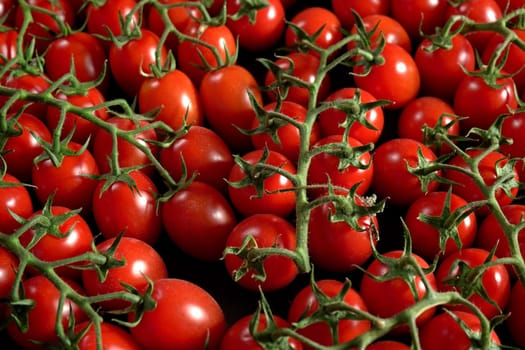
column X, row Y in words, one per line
column 230, row 174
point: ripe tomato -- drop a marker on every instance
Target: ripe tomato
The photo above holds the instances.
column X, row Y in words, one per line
column 419, row 16
column 132, row 210
column 330, row 120
column 43, row 316
column 8, row 268
column 495, row 280
column 174, row 97
column 82, row 129
column 398, row 76
column 8, row 49
column 464, row 186
column 325, row 167
column 7, row 11
column 238, row 335
column 516, row 309
column 205, row 154
column 305, row 303
column 17, row 200
column 400, row 295
column 344, row 9
column 387, row 345
column 386, row 27
column 142, row 263
column 232, row 86
column 262, row 33
column 336, row 246
column 277, row 197
column 20, row 150
column 266, row 230
column 198, row 219
column 35, row 84
column 105, row 19
column 289, row 141
column 426, row 239
column 113, row 337
column 513, row 127
column 444, row 331
column 195, row 59
column 131, row 63
column 391, row 159
column 69, row 182
column 491, row 101
column 453, row 63
column 192, row 318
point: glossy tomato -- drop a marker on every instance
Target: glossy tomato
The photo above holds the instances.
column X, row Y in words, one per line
column 17, row 200
column 512, row 128
column 305, row 303
column 516, row 309
column 34, row 84
column 263, row 231
column 387, row 28
column 420, row 16
column 104, row 19
column 191, row 318
column 113, row 337
column 8, row 49
column 387, row 345
column 8, row 267
column 344, row 9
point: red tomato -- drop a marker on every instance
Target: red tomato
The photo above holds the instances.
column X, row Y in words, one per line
column 195, row 59
column 495, row 280
column 326, row 167
column 198, row 219
column 113, row 337
column 419, row 15
column 399, row 293
column 386, row 27
column 331, row 119
column 205, row 154
column 423, row 112
column 513, row 127
column 34, row 84
column 289, row 142
column 16, row 199
column 121, row 208
column 191, row 318
column 142, row 263
column 105, row 19
column 225, row 96
column 305, row 303
column 82, row 128
column 336, row 246
column 388, row 345
column 444, row 331
column 8, row 268
column 491, row 102
column 516, row 309
column 426, row 239
column 131, row 63
column 305, row 67
column 72, row 237
column 391, row 159
column 174, row 97
column 277, row 197
column 465, row 186
column 81, row 51
column 344, row 9
column 20, row 150
column 128, row 154
column 443, row 82
column 263, row 32
column 266, row 230
column 7, row 11
column 69, row 182
column 508, row 6
column 238, row 335
column 43, row 316
column 8, row 49
column 397, row 80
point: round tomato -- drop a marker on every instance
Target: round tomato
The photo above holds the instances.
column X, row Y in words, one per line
column 305, row 303
column 34, row 84
column 419, row 16
column 387, row 345
column 17, row 200
column 104, row 18
column 199, row 219
column 142, row 264
column 277, row 195
column 264, row 231
column 516, row 309
column 8, row 268
column 7, row 11
column 513, row 127
column 391, row 159
column 344, row 9
column 186, row 317
column 113, row 337
column 387, row 28
column 8, row 49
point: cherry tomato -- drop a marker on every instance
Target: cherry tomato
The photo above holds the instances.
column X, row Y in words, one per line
column 192, row 318
column 113, row 337
column 8, row 49
column 387, row 345
column 198, row 219
column 105, row 19
column 426, row 239
column 513, row 127
column 391, row 159
column 174, row 97
column 305, row 303
column 17, row 200
column 8, row 268
column 142, row 263
column 399, row 77
column 344, row 9
column 278, row 197
column 495, row 280
column 7, row 11
column 445, row 331
column 225, row 96
column 386, row 27
column 132, row 210
column 262, row 33
column 266, row 230
column 516, row 309
column 330, row 120
column 398, row 291
column 35, row 84
column 419, row 16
